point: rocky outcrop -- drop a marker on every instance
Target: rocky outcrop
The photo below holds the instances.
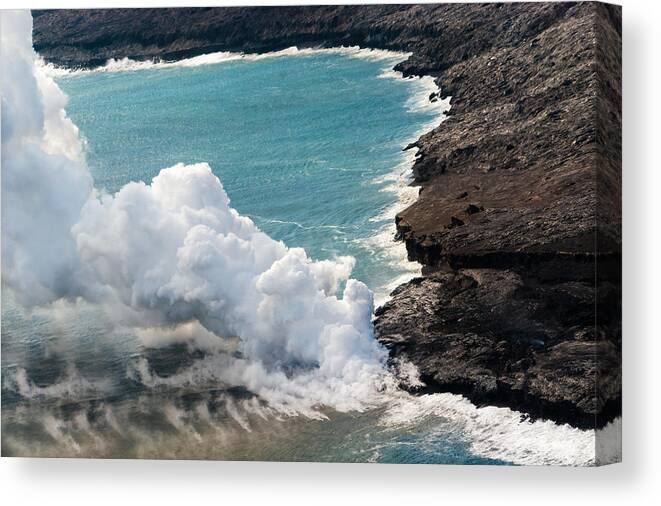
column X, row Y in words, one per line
column 518, row 219
column 505, row 338
column 518, row 227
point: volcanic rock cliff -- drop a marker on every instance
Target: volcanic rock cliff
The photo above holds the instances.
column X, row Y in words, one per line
column 518, row 221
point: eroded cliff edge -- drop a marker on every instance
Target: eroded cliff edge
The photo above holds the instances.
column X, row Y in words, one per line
column 518, row 219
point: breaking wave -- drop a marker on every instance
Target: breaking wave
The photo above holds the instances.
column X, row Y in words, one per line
column 130, row 65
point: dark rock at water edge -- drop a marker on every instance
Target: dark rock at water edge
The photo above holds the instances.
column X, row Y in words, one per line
column 503, row 338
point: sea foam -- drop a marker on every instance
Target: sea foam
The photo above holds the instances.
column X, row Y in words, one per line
column 131, row 65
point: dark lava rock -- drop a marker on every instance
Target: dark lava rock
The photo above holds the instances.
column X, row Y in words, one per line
column 521, row 303
column 498, row 337
column 473, row 209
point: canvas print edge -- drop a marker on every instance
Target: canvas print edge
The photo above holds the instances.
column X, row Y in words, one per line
column 563, row 264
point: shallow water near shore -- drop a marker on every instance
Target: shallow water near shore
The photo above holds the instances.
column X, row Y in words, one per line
column 310, row 147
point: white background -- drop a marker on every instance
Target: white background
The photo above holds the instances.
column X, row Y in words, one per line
column 636, row 481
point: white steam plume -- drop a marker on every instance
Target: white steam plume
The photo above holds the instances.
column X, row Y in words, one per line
column 166, row 253
column 176, row 251
column 44, row 180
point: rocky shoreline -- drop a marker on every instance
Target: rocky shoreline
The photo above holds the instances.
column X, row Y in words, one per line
column 518, row 220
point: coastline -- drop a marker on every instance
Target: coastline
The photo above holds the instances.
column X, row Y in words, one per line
column 400, row 178
column 476, row 254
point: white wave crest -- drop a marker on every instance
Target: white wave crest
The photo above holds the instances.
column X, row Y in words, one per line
column 498, row 433
column 130, row 65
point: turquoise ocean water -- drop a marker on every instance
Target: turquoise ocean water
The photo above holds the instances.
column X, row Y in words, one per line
column 310, row 147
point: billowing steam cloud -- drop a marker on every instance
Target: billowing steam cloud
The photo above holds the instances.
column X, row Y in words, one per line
column 176, row 251
column 169, row 252
column 44, row 180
